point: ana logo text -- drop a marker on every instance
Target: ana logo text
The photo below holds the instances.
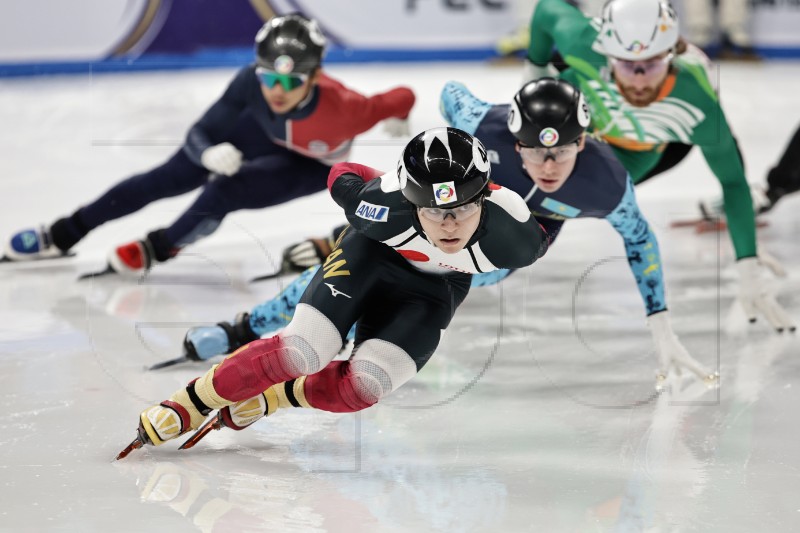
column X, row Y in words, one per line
column 376, row 213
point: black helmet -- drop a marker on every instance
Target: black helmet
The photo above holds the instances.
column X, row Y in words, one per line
column 290, row 44
column 443, row 167
column 548, row 112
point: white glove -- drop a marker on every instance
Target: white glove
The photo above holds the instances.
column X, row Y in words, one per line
column 771, row 262
column 396, row 127
column 755, row 296
column 532, row 72
column 306, row 254
column 672, row 356
column 222, row 158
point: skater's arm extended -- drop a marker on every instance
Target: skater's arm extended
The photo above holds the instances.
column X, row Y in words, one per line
column 358, row 113
column 221, row 117
column 641, row 247
column 722, row 155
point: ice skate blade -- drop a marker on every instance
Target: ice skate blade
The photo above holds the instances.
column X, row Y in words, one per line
column 135, row 445
column 96, row 274
column 213, row 424
column 274, row 275
column 702, row 225
column 6, row 259
column 169, row 362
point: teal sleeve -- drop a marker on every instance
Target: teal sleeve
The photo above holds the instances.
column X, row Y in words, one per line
column 494, row 277
column 641, row 246
column 276, row 313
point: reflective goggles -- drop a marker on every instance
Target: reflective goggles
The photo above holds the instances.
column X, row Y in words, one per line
column 559, row 154
column 460, row 213
column 290, row 82
column 649, row 67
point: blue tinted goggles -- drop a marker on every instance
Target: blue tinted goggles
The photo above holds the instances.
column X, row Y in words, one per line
column 289, row 82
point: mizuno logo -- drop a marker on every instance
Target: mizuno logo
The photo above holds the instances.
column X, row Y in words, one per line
column 336, row 292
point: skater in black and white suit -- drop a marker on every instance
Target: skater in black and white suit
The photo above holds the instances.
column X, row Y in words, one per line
column 399, row 273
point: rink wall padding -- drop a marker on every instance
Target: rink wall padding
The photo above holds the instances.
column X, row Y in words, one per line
column 235, row 58
column 94, row 36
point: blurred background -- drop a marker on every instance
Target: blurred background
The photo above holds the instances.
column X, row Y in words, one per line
column 49, row 36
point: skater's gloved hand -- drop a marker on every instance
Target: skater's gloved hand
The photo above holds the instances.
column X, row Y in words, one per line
column 222, row 158
column 761, row 202
column 756, row 296
column 396, row 127
column 308, row 253
column 532, row 72
column 771, row 262
column 672, row 356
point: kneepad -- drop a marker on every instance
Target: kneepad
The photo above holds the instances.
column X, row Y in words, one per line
column 314, row 340
column 307, row 344
column 377, row 369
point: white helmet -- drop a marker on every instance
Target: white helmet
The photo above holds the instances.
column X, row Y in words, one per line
column 637, row 29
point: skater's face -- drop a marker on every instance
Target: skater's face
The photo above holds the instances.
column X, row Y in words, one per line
column 450, row 229
column 549, row 168
column 283, row 92
column 641, row 81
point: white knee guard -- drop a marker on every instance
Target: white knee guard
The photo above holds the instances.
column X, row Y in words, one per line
column 311, row 341
column 380, row 367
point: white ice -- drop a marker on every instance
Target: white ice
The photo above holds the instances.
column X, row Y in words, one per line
column 538, row 412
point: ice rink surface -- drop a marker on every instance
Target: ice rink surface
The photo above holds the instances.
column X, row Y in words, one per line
column 538, row 412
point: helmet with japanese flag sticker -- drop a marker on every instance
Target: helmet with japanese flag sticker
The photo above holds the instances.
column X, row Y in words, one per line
column 443, row 167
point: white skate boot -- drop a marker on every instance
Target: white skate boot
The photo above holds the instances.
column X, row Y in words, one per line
column 32, row 243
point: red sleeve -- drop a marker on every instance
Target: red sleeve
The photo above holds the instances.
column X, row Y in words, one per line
column 363, row 112
column 364, row 172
